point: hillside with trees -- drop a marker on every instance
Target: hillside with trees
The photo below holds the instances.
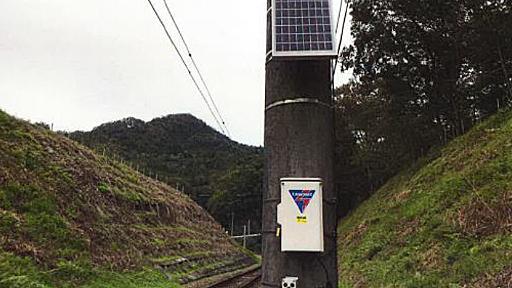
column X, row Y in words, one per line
column 223, row 176
column 72, row 218
column 445, row 221
column 425, row 72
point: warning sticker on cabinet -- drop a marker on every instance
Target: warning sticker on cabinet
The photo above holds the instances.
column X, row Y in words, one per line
column 302, row 219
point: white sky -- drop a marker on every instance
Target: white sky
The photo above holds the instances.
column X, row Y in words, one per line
column 78, row 64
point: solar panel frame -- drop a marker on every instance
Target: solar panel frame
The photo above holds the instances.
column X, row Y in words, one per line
column 331, row 53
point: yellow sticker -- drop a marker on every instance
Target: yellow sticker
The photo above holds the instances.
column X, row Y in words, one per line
column 302, row 219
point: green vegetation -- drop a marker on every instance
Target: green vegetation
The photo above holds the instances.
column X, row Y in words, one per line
column 17, row 272
column 425, row 72
column 445, row 222
column 71, row 218
column 143, row 279
column 221, row 175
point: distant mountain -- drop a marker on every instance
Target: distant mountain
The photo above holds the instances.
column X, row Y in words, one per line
column 72, row 218
column 221, row 175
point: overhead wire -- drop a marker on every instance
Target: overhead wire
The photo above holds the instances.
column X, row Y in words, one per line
column 186, row 66
column 338, row 50
column 339, row 17
column 208, row 92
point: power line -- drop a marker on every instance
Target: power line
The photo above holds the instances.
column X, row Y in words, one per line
column 341, row 37
column 339, row 17
column 196, row 67
column 186, row 66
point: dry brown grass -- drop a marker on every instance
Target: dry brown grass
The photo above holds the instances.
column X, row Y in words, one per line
column 406, row 228
column 432, row 258
column 480, row 218
column 502, row 279
column 402, row 196
column 355, row 236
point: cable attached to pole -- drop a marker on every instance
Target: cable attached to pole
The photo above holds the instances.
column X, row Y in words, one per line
column 186, row 66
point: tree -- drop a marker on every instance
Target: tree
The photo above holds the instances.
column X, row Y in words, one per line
column 239, row 191
column 424, row 72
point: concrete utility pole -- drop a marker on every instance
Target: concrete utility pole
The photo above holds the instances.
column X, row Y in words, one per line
column 299, row 142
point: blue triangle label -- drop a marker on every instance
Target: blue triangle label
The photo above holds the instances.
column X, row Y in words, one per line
column 302, row 198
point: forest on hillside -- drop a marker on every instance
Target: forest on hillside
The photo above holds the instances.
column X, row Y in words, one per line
column 425, row 72
column 221, row 175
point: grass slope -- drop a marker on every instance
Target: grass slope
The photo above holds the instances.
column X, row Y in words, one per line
column 447, row 222
column 184, row 150
column 71, row 218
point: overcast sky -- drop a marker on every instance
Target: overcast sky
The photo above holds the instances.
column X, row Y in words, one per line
column 80, row 63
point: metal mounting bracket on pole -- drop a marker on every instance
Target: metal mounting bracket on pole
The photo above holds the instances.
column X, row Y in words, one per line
column 298, row 101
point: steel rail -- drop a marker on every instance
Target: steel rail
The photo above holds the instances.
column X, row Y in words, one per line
column 230, row 282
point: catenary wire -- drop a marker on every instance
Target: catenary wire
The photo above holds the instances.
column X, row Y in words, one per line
column 338, row 50
column 196, row 67
column 186, row 66
column 339, row 17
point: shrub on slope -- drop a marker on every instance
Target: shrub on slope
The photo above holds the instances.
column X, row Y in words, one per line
column 447, row 223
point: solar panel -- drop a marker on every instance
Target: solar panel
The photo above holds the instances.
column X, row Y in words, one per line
column 302, row 28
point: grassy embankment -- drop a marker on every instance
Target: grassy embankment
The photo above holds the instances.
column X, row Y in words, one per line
column 72, row 218
column 445, row 222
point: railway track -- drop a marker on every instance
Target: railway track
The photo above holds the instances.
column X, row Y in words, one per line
column 248, row 279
